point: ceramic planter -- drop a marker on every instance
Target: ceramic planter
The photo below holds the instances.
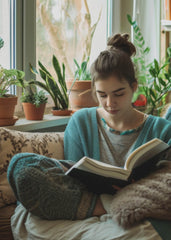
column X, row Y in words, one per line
column 81, row 94
column 7, row 108
column 32, row 112
column 65, row 112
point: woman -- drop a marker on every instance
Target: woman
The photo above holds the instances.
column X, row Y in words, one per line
column 107, row 133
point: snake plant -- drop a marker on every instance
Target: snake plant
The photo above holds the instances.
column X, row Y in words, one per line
column 56, row 87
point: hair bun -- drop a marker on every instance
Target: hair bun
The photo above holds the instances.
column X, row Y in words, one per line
column 122, row 43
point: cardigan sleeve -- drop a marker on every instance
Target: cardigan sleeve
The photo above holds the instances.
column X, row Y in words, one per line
column 81, row 136
column 72, row 142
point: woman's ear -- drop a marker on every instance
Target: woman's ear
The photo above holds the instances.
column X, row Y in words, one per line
column 134, row 86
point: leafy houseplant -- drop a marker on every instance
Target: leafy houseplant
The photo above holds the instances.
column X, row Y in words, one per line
column 36, row 98
column 158, row 85
column 79, row 88
column 154, row 78
column 82, row 73
column 34, row 104
column 56, row 88
column 9, row 77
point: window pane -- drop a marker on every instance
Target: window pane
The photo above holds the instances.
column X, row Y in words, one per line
column 64, row 28
column 5, row 32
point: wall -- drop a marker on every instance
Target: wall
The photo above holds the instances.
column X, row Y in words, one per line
column 126, row 8
column 147, row 15
column 120, row 9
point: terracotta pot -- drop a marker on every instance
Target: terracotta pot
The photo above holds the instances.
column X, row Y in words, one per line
column 65, row 112
column 8, row 121
column 81, row 94
column 32, row 112
column 7, row 106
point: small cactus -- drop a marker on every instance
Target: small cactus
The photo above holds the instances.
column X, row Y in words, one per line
column 1, row 42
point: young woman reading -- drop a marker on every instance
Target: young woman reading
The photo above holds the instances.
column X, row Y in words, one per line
column 107, row 133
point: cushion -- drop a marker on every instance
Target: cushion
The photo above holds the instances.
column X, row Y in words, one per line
column 150, row 197
column 12, row 142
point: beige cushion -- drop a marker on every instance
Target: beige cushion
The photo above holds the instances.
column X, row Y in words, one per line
column 12, row 142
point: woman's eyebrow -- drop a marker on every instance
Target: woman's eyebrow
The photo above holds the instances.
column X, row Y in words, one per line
column 119, row 89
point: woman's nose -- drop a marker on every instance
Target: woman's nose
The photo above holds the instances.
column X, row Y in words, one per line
column 110, row 101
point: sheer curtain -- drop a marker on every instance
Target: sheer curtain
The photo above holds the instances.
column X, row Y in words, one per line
column 147, row 15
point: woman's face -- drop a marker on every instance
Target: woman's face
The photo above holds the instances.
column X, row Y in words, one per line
column 115, row 96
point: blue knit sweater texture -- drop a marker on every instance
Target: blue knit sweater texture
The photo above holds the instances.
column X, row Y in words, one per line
column 81, row 135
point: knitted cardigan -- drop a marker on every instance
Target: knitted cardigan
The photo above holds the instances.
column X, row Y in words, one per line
column 81, row 135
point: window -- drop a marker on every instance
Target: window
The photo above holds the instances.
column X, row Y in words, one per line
column 20, row 28
column 70, row 29
column 24, row 31
column 5, row 30
column 7, row 33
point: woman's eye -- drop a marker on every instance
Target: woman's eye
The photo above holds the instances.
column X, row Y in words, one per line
column 103, row 96
column 119, row 94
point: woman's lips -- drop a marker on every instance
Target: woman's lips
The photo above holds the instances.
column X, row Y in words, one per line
column 112, row 111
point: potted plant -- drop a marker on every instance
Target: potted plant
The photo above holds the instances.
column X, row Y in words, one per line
column 158, row 85
column 56, row 88
column 80, row 93
column 34, row 103
column 154, row 78
column 9, row 77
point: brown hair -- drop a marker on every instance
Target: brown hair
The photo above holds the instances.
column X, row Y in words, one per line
column 115, row 60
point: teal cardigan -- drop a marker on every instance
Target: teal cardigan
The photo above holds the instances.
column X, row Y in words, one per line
column 81, row 134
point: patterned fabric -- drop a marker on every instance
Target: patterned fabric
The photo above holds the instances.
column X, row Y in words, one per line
column 13, row 142
column 40, row 184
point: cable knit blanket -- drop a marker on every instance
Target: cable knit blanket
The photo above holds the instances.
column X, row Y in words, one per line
column 147, row 198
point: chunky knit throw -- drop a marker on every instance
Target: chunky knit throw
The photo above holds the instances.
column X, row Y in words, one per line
column 40, row 185
column 147, row 198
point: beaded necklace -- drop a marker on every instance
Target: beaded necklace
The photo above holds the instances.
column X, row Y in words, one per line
column 126, row 132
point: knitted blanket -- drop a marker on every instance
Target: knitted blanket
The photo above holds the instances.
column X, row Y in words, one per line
column 147, row 198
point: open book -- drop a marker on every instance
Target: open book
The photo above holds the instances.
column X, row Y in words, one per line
column 105, row 178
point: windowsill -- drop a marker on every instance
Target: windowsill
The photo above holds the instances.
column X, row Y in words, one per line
column 49, row 121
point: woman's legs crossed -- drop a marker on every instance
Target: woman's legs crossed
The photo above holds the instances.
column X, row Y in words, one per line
column 40, row 184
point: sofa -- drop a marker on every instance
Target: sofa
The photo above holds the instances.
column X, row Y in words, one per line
column 12, row 142
column 49, row 144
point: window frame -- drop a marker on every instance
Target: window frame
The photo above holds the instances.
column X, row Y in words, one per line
column 25, row 41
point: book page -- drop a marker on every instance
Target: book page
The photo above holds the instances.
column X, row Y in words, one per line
column 145, row 152
column 103, row 169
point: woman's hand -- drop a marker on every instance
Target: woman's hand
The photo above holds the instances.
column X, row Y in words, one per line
column 99, row 209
